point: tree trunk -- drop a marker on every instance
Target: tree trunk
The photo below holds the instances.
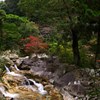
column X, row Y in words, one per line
column 76, row 53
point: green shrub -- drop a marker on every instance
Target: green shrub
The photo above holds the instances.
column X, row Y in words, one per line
column 65, row 53
column 11, row 36
column 2, row 14
column 15, row 28
column 27, row 29
column 86, row 60
column 10, row 18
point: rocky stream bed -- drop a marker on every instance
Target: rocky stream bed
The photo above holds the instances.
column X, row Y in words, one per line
column 42, row 77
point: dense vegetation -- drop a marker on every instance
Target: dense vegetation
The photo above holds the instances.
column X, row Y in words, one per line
column 73, row 27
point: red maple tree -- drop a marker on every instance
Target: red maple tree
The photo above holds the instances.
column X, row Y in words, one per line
column 33, row 44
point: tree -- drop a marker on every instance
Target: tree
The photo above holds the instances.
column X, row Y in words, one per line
column 96, row 18
column 3, row 6
column 12, row 7
column 2, row 16
column 56, row 11
column 73, row 14
column 33, row 9
column 94, row 23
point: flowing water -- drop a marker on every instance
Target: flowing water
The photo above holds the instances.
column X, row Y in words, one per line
column 12, row 87
column 15, row 66
column 40, row 87
column 7, row 69
column 7, row 94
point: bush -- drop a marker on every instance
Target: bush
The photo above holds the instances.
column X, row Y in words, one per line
column 86, row 60
column 24, row 26
column 33, row 44
column 11, row 36
column 14, row 28
column 27, row 29
column 10, row 18
column 2, row 14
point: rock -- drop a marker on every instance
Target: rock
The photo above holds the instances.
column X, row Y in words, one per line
column 75, row 89
column 20, row 60
column 64, row 80
column 66, row 95
column 27, row 62
column 8, row 61
column 23, row 67
column 85, row 83
column 13, row 85
column 46, row 30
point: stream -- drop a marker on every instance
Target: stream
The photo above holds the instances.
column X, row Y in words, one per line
column 16, row 86
column 41, row 77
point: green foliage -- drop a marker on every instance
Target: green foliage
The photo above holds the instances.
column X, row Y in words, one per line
column 12, row 7
column 32, row 7
column 29, row 28
column 12, row 35
column 24, row 26
column 2, row 14
column 10, row 18
column 80, row 17
column 65, row 53
column 3, row 6
column 53, row 47
column 87, row 61
column 14, row 28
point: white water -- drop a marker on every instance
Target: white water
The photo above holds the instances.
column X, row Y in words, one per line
column 15, row 66
column 7, row 69
column 7, row 94
column 40, row 87
column 27, row 80
column 12, row 73
column 29, row 86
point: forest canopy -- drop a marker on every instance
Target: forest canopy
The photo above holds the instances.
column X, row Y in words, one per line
column 73, row 27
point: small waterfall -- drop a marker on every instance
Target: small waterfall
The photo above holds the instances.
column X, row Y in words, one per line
column 40, row 87
column 14, row 74
column 7, row 94
column 15, row 66
column 7, row 69
column 29, row 86
column 27, row 80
